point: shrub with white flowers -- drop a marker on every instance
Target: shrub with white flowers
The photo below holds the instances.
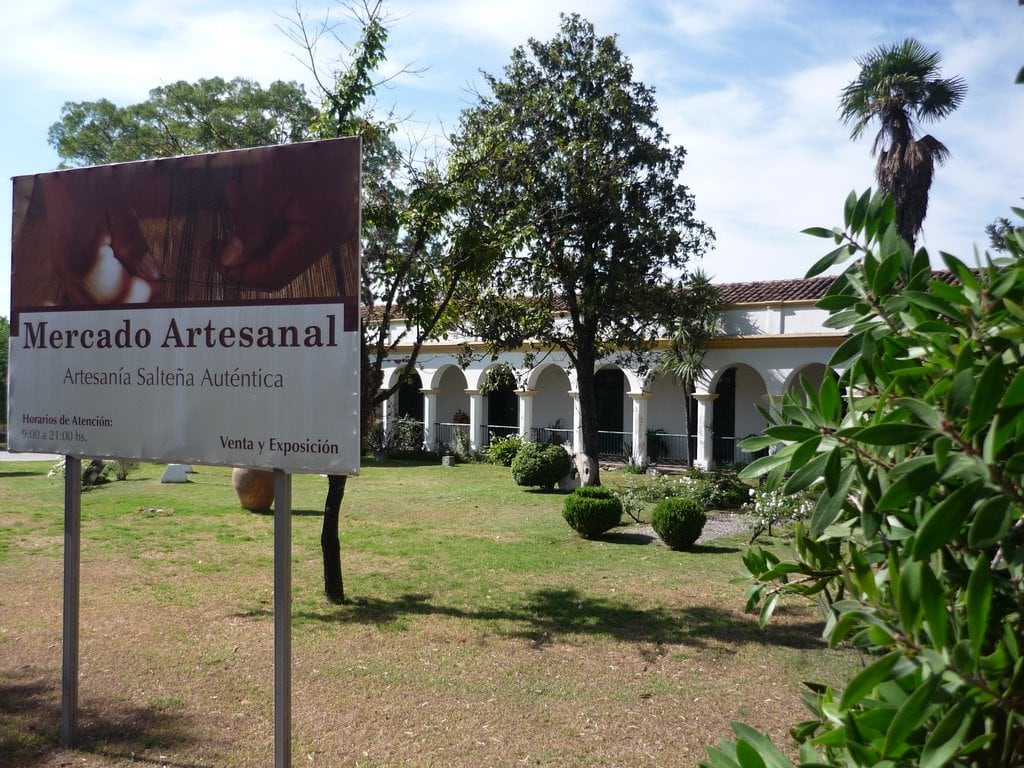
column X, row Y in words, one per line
column 770, row 506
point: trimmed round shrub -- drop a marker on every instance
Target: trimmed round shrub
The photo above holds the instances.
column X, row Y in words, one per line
column 679, row 521
column 540, row 465
column 590, row 511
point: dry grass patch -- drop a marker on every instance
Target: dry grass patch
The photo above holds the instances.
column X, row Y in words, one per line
column 480, row 631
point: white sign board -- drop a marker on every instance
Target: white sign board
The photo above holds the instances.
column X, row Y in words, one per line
column 199, row 310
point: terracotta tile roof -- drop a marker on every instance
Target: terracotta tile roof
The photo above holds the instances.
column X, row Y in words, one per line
column 767, row 291
column 762, row 291
column 798, row 289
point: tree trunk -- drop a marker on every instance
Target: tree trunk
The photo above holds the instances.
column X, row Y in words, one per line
column 330, row 543
column 587, row 469
column 330, row 540
column 586, row 464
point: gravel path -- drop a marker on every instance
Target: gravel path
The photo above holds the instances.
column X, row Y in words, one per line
column 722, row 524
column 719, row 525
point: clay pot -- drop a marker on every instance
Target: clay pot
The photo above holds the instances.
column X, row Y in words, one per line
column 255, row 488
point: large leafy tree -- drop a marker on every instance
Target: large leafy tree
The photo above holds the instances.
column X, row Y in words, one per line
column 413, row 274
column 183, row 118
column 417, row 267
column 572, row 177
column 900, row 86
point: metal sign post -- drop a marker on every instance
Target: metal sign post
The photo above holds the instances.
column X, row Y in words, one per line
column 282, row 619
column 72, row 580
column 282, row 609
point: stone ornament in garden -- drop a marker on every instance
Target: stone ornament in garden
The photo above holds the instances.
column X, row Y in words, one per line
column 255, row 488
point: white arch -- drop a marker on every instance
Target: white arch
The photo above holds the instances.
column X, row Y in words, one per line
column 775, row 365
column 475, row 377
column 635, row 383
column 390, row 374
column 431, row 377
column 715, row 375
column 534, row 374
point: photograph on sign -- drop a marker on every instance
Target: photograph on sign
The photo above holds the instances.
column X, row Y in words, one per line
column 200, row 309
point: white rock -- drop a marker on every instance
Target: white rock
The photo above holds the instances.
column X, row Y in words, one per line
column 175, row 473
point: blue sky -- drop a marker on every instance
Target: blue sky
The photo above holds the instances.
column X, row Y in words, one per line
column 748, row 87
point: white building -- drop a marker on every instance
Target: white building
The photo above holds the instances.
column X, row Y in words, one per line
column 772, row 335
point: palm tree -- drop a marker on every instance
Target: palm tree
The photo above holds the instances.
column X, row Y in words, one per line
column 900, row 86
column 684, row 358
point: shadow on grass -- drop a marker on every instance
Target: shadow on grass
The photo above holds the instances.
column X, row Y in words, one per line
column 553, row 613
column 30, row 727
column 396, row 462
column 622, row 537
column 23, row 473
column 640, row 539
column 295, row 512
column 713, row 549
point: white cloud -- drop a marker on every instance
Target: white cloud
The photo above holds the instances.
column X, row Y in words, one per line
column 121, row 51
column 503, row 26
column 748, row 87
column 767, row 159
column 701, row 22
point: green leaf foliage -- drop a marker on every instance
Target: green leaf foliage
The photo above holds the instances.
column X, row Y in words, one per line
column 868, row 679
column 679, row 521
column 541, row 466
column 566, row 171
column 915, row 549
column 591, row 511
column 183, row 118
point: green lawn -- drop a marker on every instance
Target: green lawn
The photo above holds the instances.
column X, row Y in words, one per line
column 480, row 630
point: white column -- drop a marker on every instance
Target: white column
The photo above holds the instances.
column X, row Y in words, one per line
column 639, row 426
column 526, row 412
column 476, row 418
column 429, row 417
column 577, row 422
column 705, row 409
column 385, row 414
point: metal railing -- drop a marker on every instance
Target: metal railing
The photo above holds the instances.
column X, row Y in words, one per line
column 490, row 432
column 663, row 448
column 669, row 448
column 449, row 436
column 614, row 446
column 727, row 449
column 403, row 437
column 545, row 435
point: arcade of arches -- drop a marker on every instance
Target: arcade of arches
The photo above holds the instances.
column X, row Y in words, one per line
column 641, row 421
column 772, row 335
